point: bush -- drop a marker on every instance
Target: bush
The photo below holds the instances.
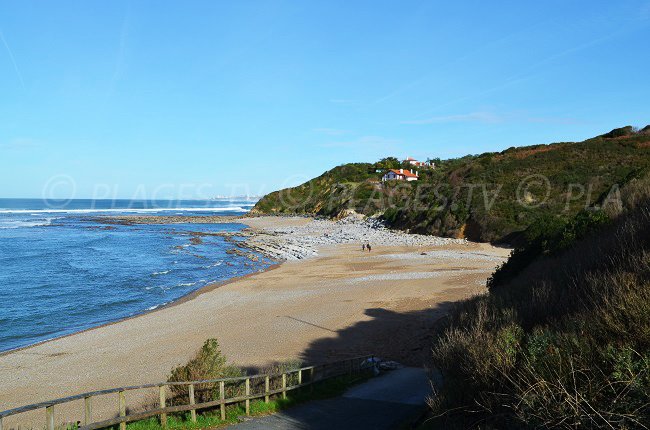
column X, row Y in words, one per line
column 208, row 363
column 620, row 132
column 564, row 342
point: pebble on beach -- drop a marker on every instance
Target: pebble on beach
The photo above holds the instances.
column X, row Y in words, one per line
column 300, row 242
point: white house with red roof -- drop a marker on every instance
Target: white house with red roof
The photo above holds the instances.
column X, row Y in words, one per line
column 413, row 162
column 400, row 175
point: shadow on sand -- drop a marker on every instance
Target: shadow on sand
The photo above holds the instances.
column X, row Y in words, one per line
column 405, row 337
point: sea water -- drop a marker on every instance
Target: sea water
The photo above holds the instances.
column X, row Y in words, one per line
column 62, row 271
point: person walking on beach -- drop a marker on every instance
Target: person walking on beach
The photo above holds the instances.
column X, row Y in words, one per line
column 368, row 246
column 363, row 247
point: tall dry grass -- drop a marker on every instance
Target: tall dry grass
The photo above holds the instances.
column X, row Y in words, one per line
column 564, row 344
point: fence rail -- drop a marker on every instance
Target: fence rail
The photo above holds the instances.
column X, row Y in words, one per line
column 303, row 377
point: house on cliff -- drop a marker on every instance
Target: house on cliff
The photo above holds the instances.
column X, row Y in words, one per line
column 400, row 175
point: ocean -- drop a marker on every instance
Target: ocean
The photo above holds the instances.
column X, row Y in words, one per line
column 61, row 272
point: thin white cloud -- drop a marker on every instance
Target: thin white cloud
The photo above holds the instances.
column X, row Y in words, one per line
column 553, row 120
column 343, row 101
column 330, row 131
column 19, row 144
column 464, row 56
column 366, row 142
column 13, row 59
column 525, row 75
column 530, row 71
column 485, row 117
column 491, row 118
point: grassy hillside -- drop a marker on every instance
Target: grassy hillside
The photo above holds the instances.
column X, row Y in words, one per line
column 562, row 339
column 488, row 197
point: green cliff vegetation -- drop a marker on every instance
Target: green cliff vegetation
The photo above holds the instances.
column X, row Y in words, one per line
column 488, row 197
column 562, row 338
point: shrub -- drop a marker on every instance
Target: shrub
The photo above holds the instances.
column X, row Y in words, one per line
column 564, row 342
column 208, row 363
column 620, row 132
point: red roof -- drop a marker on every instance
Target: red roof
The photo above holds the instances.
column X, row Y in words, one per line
column 410, row 159
column 406, row 173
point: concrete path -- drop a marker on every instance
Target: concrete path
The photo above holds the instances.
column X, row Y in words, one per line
column 385, row 402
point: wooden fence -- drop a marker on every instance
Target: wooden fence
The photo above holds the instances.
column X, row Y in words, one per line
column 184, row 394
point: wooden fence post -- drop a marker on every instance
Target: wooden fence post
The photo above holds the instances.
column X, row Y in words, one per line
column 248, row 393
column 192, row 402
column 163, row 405
column 49, row 417
column 300, row 379
column 355, row 365
column 311, row 380
column 222, row 396
column 122, row 409
column 88, row 410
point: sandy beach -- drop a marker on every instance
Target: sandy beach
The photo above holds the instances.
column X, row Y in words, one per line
column 332, row 302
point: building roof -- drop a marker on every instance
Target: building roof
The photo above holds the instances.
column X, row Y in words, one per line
column 405, row 172
column 410, row 159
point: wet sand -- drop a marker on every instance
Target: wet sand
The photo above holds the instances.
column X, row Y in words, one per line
column 342, row 302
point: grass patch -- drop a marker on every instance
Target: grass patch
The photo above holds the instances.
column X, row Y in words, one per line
column 211, row 418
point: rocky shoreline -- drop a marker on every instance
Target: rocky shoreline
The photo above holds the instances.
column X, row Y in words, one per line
column 297, row 242
column 300, row 242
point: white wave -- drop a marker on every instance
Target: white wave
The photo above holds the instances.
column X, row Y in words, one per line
column 125, row 210
column 209, row 266
column 23, row 224
column 163, row 272
column 186, row 284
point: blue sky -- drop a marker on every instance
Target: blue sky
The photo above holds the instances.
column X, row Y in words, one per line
column 197, row 98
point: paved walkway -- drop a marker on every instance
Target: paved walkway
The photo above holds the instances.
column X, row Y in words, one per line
column 386, row 402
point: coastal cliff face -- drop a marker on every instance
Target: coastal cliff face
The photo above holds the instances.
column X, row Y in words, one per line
column 563, row 330
column 564, row 327
column 496, row 196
